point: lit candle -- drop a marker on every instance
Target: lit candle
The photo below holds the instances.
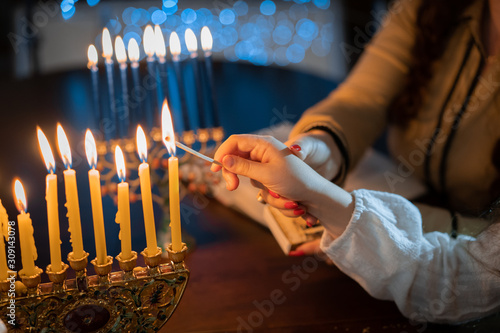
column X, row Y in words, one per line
column 149, row 49
column 107, row 53
column 123, row 213
column 161, row 68
column 133, row 55
column 147, row 198
column 175, row 50
column 206, row 45
column 75, row 227
column 92, row 65
column 192, row 46
column 168, row 136
column 96, row 200
column 28, row 248
column 121, row 57
column 52, row 203
column 4, row 228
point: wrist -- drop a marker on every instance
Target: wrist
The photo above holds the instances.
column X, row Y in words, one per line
column 331, row 168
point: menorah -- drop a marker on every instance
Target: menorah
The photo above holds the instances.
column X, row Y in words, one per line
column 135, row 299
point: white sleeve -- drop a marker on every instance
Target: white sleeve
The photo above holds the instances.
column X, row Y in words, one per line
column 431, row 277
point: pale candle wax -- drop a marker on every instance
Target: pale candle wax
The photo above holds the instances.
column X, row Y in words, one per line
column 4, row 220
column 28, row 248
column 123, row 219
column 174, row 202
column 72, row 204
column 147, row 207
column 53, row 222
column 97, row 214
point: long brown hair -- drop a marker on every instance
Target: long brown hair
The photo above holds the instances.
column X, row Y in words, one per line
column 436, row 21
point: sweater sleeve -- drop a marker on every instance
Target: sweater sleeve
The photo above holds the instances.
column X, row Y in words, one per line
column 430, row 276
column 357, row 110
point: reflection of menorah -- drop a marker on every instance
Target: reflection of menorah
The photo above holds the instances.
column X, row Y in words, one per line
column 135, row 299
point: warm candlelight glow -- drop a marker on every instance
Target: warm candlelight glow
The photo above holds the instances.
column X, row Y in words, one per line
column 175, row 44
column 149, row 41
column 167, row 129
column 121, row 53
column 133, row 50
column 160, row 49
column 92, row 56
column 64, row 149
column 191, row 41
column 206, row 39
column 107, row 45
column 20, row 196
column 47, row 155
column 120, row 163
column 142, row 144
column 90, row 149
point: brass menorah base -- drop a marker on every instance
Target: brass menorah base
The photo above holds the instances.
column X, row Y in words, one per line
column 139, row 302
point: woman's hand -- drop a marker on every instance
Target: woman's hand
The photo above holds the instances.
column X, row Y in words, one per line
column 271, row 163
column 318, row 149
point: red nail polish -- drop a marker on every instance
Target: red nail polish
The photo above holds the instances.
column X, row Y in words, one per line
column 296, row 253
column 274, row 195
column 296, row 147
column 299, row 212
column 291, row 205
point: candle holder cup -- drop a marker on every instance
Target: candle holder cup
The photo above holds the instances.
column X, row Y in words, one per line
column 57, row 278
column 177, row 258
column 130, row 300
column 127, row 265
column 152, row 261
column 32, row 282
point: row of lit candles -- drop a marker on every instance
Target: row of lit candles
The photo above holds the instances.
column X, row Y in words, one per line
column 155, row 49
column 27, row 243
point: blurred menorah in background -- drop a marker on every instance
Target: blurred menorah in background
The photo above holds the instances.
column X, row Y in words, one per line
column 187, row 85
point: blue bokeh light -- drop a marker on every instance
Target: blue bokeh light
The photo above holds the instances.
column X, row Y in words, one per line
column 67, row 5
column 69, row 13
column 92, row 3
column 280, row 56
column 158, row 17
column 170, row 10
column 140, row 17
column 228, row 36
column 295, row 53
column 169, row 3
column 114, row 27
column 307, row 29
column 327, row 32
column 227, row 16
column 282, row 35
column 127, row 15
column 267, row 7
column 298, row 11
column 240, row 8
column 321, row 47
column 188, row 16
column 322, row 4
column 302, row 42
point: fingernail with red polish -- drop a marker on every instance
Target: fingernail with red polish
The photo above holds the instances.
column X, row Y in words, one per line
column 296, row 253
column 296, row 147
column 309, row 224
column 291, row 205
column 274, row 194
column 299, row 212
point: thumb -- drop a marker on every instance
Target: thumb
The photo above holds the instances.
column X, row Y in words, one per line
column 242, row 166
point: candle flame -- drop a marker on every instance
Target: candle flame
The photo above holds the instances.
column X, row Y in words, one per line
column 160, row 49
column 120, row 163
column 149, row 41
column 167, row 129
column 191, row 41
column 92, row 56
column 133, row 50
column 107, row 45
column 121, row 53
column 47, row 155
column 142, row 144
column 90, row 149
column 206, row 39
column 20, row 196
column 175, row 44
column 64, row 148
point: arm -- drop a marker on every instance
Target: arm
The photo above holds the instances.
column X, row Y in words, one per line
column 431, row 276
column 356, row 111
